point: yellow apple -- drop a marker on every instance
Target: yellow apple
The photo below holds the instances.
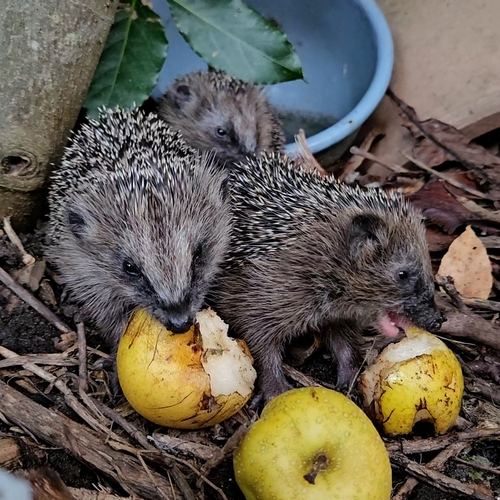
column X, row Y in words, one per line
column 189, row 380
column 418, row 379
column 313, row 444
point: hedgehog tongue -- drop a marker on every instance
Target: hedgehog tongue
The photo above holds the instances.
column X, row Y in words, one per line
column 390, row 324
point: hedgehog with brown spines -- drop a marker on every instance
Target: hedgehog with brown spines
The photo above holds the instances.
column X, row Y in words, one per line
column 215, row 111
column 137, row 219
column 310, row 254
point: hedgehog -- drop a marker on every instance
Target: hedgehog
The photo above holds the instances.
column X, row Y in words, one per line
column 215, row 111
column 137, row 219
column 311, row 255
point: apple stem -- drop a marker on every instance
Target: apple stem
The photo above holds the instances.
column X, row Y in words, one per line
column 320, row 463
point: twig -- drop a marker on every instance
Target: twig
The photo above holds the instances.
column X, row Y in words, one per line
column 410, row 114
column 58, row 359
column 477, row 386
column 125, row 425
column 440, row 442
column 231, row 445
column 368, row 156
column 303, row 379
column 69, row 397
column 436, row 463
column 28, row 259
column 476, row 466
column 448, row 285
column 478, row 210
column 184, row 446
column 166, row 458
column 82, row 358
column 356, row 161
column 84, row 444
column 437, row 479
column 306, row 158
column 492, row 242
column 459, row 324
column 489, row 305
column 6, row 279
column 449, row 179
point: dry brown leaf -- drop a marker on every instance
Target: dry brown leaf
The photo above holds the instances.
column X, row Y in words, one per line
column 469, row 265
column 440, row 207
column 440, row 142
column 437, row 241
column 433, row 155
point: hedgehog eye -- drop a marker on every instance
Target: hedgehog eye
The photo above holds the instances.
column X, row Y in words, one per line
column 130, row 268
column 403, row 275
column 76, row 223
column 220, row 132
column 197, row 254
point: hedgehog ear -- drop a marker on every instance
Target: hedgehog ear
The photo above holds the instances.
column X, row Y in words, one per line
column 182, row 95
column 77, row 223
column 365, row 235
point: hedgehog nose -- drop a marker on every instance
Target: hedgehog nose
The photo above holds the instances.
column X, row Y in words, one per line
column 180, row 323
column 435, row 324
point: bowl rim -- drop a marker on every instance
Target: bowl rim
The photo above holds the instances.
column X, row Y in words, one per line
column 373, row 95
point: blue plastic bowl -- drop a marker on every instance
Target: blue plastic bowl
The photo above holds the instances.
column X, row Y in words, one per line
column 346, row 50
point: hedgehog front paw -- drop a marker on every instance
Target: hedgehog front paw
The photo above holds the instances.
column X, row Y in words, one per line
column 109, row 366
column 268, row 392
column 345, row 376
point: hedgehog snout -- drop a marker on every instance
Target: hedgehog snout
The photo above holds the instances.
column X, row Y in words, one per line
column 426, row 315
column 434, row 324
column 248, row 147
column 177, row 318
column 180, row 324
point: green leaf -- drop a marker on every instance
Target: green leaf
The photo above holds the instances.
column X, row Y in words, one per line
column 231, row 36
column 131, row 61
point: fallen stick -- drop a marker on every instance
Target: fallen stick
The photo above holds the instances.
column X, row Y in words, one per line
column 490, row 392
column 38, row 359
column 85, row 445
column 437, row 443
column 9, row 282
column 489, row 305
column 83, row 375
column 69, row 397
column 439, row 480
column 143, row 441
column 449, row 179
column 468, row 325
column 369, row 156
column 437, row 463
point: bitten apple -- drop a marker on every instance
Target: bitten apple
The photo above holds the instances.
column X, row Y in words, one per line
column 417, row 379
column 313, row 444
column 184, row 380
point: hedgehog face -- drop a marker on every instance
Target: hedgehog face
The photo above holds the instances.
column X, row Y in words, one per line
column 392, row 268
column 148, row 241
column 215, row 112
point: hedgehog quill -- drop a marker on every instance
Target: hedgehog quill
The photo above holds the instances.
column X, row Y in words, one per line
column 215, row 111
column 137, row 219
column 309, row 254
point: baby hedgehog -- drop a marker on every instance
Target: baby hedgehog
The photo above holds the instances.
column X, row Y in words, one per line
column 309, row 254
column 215, row 111
column 138, row 219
